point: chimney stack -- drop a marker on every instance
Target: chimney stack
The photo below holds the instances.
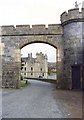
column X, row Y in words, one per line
column 29, row 55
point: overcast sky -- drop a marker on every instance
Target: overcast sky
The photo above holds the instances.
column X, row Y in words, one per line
column 40, row 47
column 16, row 12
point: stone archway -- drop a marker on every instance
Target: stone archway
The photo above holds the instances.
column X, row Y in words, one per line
column 47, row 40
column 44, row 50
column 14, row 59
column 49, row 43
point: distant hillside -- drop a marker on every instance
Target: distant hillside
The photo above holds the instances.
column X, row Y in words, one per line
column 52, row 64
column 51, row 67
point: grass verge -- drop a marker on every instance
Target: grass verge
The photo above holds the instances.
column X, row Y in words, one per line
column 24, row 83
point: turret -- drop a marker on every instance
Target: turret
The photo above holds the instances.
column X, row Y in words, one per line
column 73, row 15
column 72, row 38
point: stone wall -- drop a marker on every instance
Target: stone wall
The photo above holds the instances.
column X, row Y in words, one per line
column 36, row 29
column 72, row 49
column 1, row 53
column 72, row 23
column 10, row 63
column 11, row 74
column 71, row 15
column 0, row 67
column 13, row 45
column 83, row 52
column 65, row 37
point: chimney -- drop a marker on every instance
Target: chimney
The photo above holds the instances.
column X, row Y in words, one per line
column 29, row 55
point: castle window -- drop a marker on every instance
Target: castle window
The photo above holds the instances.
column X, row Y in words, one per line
column 31, row 73
column 31, row 68
column 25, row 68
column 43, row 74
column 41, row 69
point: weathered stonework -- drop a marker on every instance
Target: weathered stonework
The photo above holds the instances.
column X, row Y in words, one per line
column 1, row 53
column 65, row 37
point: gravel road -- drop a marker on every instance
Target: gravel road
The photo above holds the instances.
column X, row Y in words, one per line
column 40, row 100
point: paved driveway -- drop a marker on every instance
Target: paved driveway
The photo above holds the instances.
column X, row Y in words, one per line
column 41, row 100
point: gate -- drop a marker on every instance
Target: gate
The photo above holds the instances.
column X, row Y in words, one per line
column 76, row 84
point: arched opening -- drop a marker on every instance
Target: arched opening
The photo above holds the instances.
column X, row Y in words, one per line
column 38, row 60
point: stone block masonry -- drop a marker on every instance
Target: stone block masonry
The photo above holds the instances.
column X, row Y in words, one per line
column 65, row 37
column 36, row 29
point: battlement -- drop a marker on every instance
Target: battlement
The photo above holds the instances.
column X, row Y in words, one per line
column 35, row 29
column 53, row 29
column 7, row 30
column 72, row 14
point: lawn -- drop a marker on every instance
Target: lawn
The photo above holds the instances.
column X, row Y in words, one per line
column 24, row 83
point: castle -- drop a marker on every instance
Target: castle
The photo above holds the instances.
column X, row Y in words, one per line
column 35, row 67
column 67, row 38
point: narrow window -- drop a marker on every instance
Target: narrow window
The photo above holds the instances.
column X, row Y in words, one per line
column 25, row 68
column 31, row 73
column 41, row 69
column 31, row 68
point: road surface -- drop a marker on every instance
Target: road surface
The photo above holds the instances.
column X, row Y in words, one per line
column 41, row 100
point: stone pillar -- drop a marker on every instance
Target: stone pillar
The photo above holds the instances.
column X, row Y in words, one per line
column 11, row 74
column 1, row 53
column 59, row 66
column 18, row 63
column 11, row 65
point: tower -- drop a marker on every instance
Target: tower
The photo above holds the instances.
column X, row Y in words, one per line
column 72, row 38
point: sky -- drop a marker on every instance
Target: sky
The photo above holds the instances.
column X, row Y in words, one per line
column 40, row 47
column 14, row 12
column 19, row 12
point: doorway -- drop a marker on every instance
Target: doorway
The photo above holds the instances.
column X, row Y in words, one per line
column 76, row 84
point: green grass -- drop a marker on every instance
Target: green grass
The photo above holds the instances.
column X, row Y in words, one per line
column 23, row 83
column 52, row 73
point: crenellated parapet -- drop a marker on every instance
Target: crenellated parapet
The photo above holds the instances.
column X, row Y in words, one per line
column 72, row 15
column 7, row 30
column 34, row 30
column 52, row 29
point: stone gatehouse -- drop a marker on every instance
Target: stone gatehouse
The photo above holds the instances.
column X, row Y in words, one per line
column 66, row 37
